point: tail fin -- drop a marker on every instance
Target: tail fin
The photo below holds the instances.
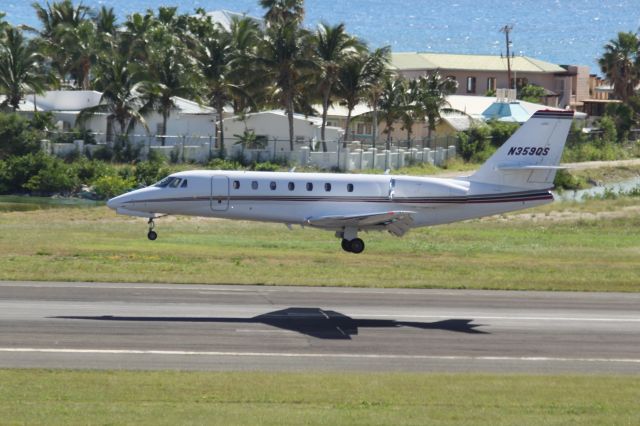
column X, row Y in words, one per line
column 530, row 157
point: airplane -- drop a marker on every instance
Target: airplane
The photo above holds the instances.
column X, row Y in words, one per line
column 517, row 176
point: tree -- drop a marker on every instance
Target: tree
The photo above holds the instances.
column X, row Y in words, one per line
column 66, row 36
column 283, row 11
column 391, row 104
column 351, row 86
column 621, row 64
column 284, row 56
column 121, row 99
column 332, row 46
column 21, row 69
column 432, row 93
column 172, row 73
column 532, row 93
column 410, row 110
column 376, row 72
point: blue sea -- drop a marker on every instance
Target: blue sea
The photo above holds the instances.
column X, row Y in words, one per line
column 559, row 31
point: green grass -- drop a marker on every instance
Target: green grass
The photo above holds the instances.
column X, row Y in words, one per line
column 539, row 253
column 121, row 397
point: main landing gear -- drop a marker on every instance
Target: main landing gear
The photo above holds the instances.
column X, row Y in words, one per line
column 350, row 241
column 353, row 246
column 152, row 235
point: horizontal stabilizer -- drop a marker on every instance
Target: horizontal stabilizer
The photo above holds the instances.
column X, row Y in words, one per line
column 529, row 167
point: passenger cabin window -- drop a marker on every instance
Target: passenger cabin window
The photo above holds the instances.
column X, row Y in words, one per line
column 309, row 186
column 236, row 184
column 254, row 184
column 184, row 184
column 349, row 187
column 327, row 187
column 272, row 185
column 292, row 186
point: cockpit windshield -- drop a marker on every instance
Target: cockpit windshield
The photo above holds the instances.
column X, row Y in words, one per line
column 171, row 182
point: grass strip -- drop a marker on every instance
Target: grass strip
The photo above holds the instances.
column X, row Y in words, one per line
column 581, row 251
column 129, row 397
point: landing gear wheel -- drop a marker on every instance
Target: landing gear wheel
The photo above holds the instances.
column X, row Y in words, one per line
column 356, row 245
column 152, row 235
column 346, row 245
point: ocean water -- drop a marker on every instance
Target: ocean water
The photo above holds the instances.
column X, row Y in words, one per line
column 559, row 31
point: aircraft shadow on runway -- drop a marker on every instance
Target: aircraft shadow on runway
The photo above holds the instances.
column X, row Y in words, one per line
column 314, row 322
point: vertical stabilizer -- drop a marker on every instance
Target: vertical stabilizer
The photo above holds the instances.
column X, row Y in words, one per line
column 530, row 157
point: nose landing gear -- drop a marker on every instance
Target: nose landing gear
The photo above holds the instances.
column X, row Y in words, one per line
column 152, row 235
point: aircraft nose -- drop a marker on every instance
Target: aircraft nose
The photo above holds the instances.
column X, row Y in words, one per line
column 115, row 202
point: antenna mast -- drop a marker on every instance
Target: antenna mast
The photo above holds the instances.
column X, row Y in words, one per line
column 506, row 30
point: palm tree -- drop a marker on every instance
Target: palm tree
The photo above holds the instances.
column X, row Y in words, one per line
column 283, row 11
column 391, row 104
column 121, row 100
column 332, row 47
column 285, row 57
column 171, row 73
column 136, row 39
column 352, row 83
column 410, row 110
column 621, row 64
column 21, row 69
column 377, row 73
column 432, row 93
column 59, row 21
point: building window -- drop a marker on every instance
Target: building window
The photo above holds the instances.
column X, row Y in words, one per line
column 309, row 186
column 254, row 184
column 471, row 85
column 272, row 185
column 292, row 186
column 327, row 187
column 236, row 184
column 491, row 84
column 349, row 187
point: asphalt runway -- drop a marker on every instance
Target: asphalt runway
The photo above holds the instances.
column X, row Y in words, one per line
column 199, row 327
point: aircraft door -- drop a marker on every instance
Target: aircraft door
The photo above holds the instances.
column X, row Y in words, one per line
column 219, row 193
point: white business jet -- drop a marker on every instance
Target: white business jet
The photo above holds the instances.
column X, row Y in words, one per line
column 518, row 176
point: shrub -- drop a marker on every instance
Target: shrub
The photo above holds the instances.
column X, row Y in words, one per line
column 148, row 172
column 38, row 173
column 17, row 136
column 89, row 170
column 55, row 177
column 221, row 164
column 265, row 167
column 565, row 180
column 111, row 185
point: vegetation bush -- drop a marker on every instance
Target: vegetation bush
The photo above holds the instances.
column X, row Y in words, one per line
column 565, row 180
column 18, row 136
column 111, row 185
column 149, row 172
column 89, row 170
column 223, row 164
column 38, row 173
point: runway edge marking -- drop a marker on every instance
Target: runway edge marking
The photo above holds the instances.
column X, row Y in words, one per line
column 315, row 355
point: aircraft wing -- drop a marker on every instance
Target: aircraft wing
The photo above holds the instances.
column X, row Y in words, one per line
column 396, row 222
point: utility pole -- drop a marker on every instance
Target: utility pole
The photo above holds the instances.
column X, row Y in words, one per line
column 506, row 30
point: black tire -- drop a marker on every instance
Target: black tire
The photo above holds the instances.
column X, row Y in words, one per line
column 357, row 245
column 152, row 235
column 346, row 245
